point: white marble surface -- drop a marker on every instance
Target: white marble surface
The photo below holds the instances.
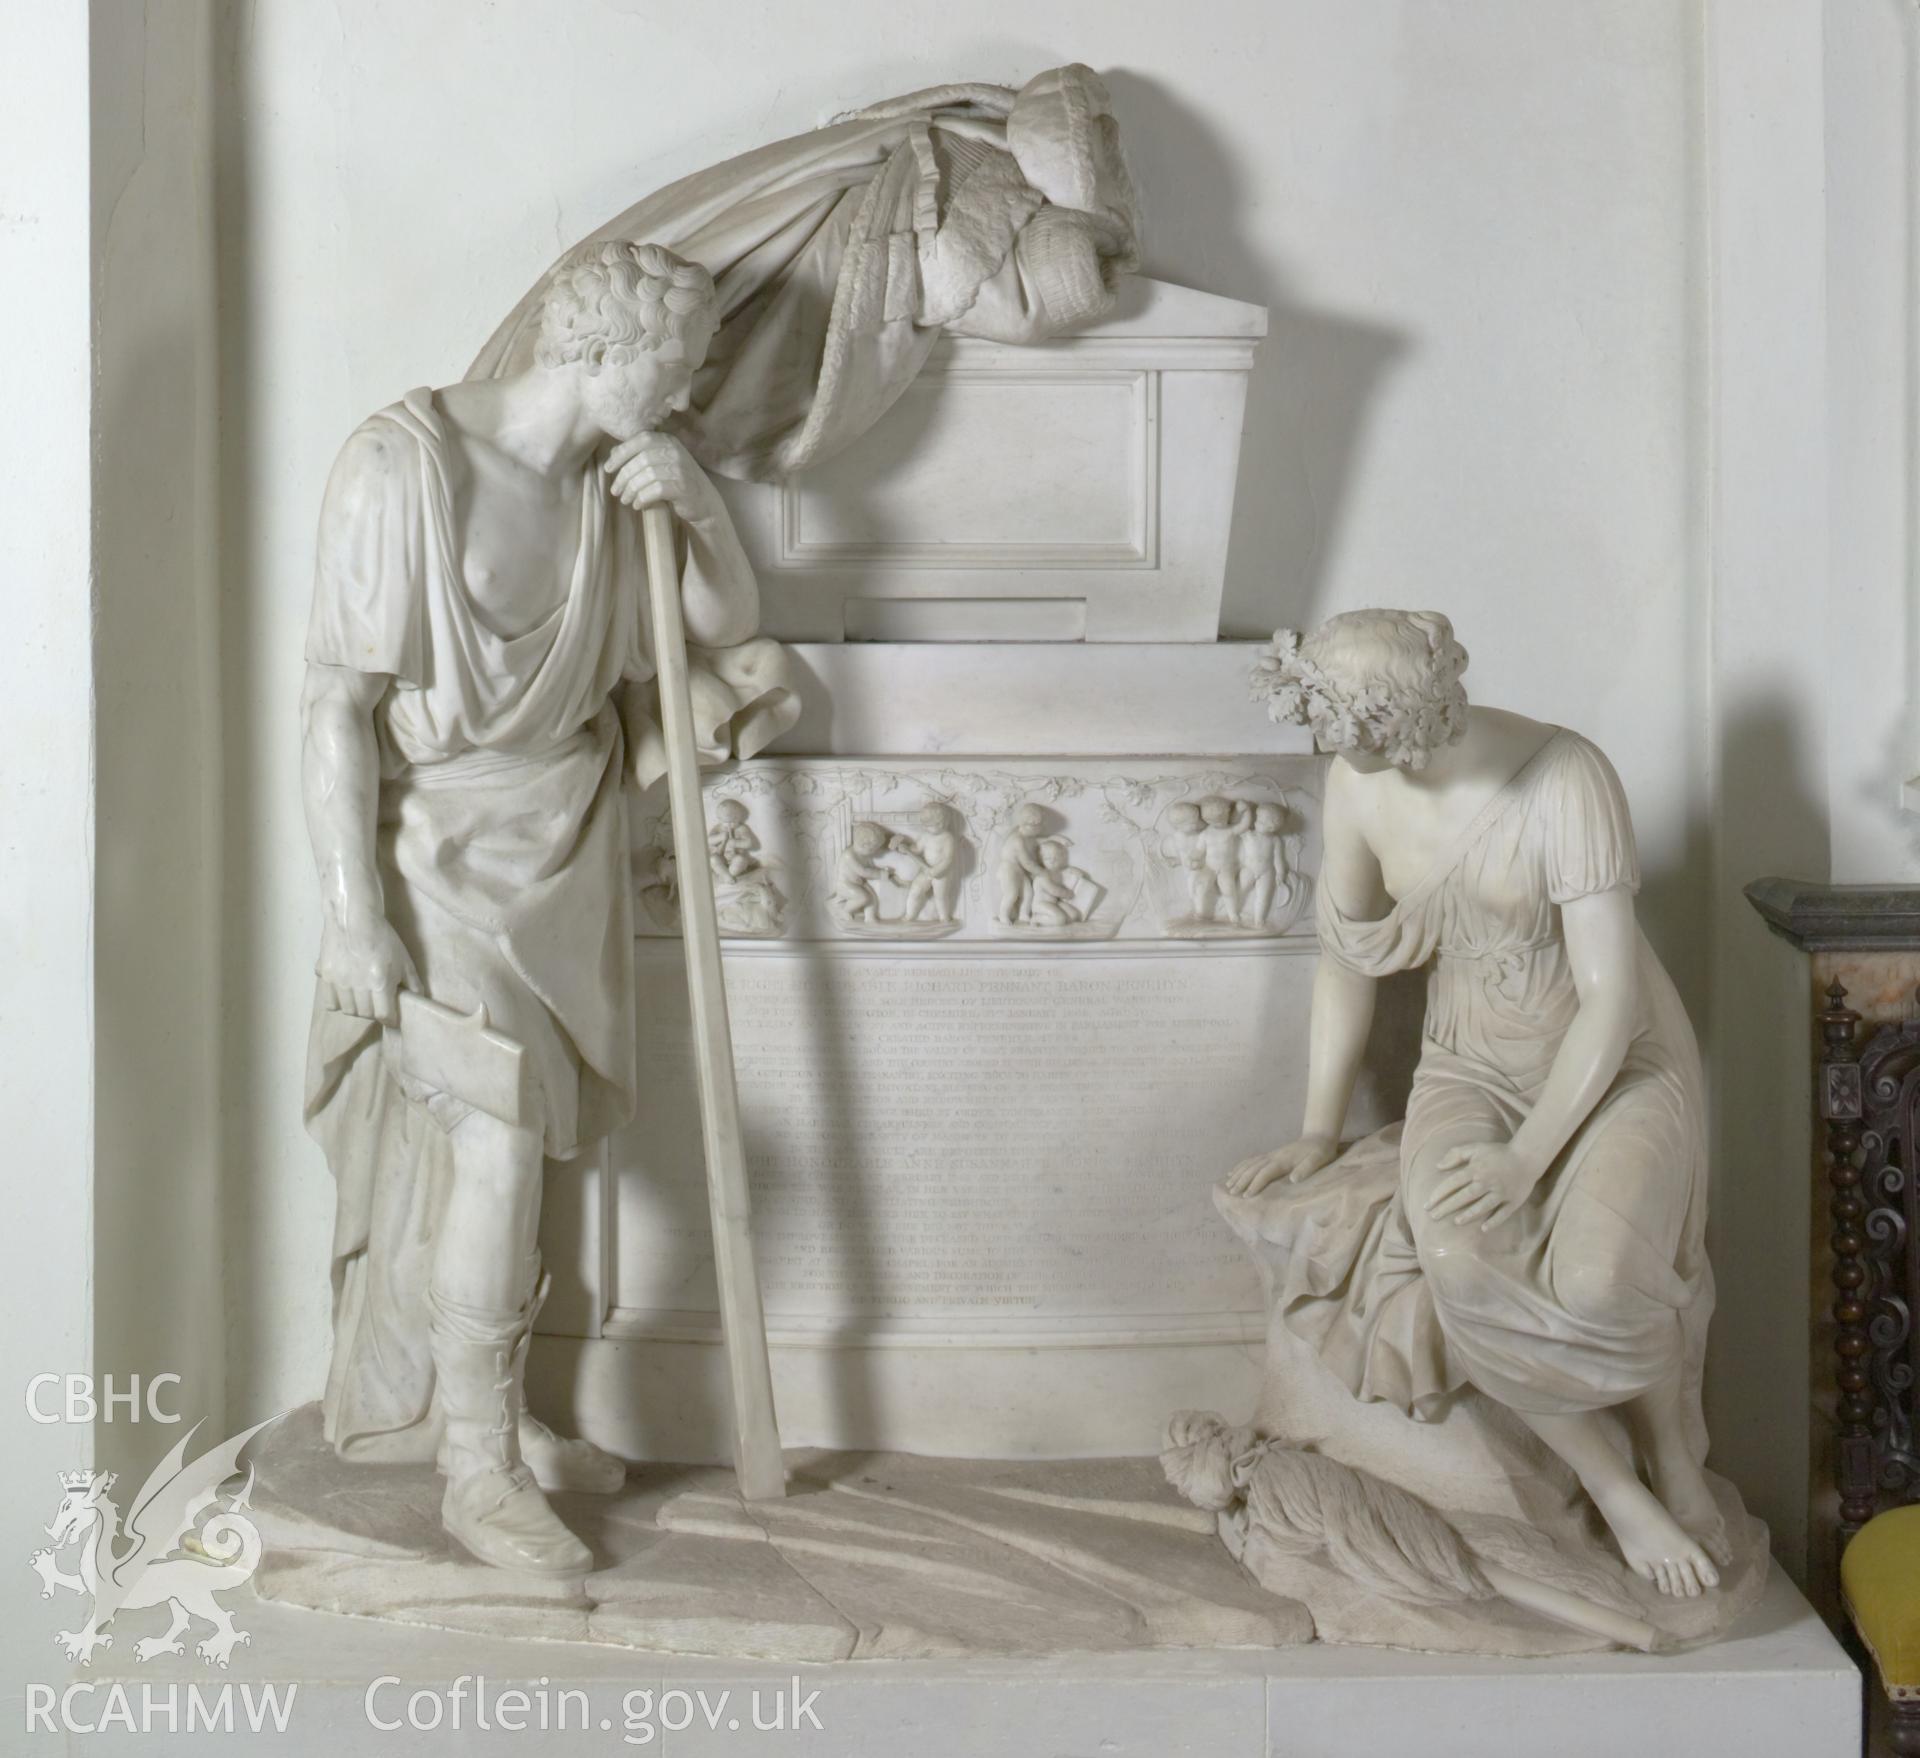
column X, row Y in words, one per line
column 1079, row 488
column 869, row 1556
column 980, row 1149
column 1027, row 698
column 1777, row 1687
column 1007, row 1106
column 980, row 1184
column 1011, row 1150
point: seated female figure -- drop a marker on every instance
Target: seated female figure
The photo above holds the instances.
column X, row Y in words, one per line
column 1546, row 1241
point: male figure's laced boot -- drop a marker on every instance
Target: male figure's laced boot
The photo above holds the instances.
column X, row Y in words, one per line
column 492, row 1504
column 560, row 1462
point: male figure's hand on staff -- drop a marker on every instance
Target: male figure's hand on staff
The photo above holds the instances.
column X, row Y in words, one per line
column 654, row 469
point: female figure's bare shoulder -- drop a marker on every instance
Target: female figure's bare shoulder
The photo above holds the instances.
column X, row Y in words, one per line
column 1499, row 743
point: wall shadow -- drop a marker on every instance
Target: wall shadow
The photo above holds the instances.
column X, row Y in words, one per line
column 1316, row 379
column 1755, row 1036
column 156, row 684
column 249, row 763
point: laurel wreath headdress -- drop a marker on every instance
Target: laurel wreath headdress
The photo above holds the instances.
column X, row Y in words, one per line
column 1405, row 723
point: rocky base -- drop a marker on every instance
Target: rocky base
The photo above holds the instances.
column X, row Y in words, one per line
column 869, row 1556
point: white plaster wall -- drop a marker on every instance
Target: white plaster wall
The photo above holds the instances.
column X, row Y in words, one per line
column 1872, row 67
column 46, row 792
column 1480, row 229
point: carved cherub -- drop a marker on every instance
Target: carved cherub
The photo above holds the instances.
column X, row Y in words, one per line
column 855, row 873
column 1263, row 864
column 1224, row 820
column 1020, row 863
column 1063, row 895
column 938, row 850
column 1182, row 846
column 732, row 848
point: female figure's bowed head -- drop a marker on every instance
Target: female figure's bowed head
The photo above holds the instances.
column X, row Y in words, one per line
column 1543, row 1242
column 1377, row 685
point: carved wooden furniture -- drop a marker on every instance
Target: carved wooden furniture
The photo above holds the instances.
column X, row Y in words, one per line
column 1868, row 1094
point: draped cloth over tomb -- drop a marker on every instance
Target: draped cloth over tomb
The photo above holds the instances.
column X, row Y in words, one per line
column 841, row 255
column 1598, row 1288
column 839, row 258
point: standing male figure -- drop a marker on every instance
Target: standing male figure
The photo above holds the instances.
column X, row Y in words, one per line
column 477, row 680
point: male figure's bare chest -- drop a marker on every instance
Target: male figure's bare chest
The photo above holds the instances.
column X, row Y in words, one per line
column 518, row 536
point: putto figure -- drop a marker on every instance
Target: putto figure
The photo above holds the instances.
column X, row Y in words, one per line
column 746, row 899
column 1063, row 894
column 1263, row 865
column 1019, row 865
column 1222, row 821
column 732, row 847
column 1184, row 848
column 939, row 849
column 478, row 687
column 1229, row 857
column 857, row 872
column 1543, row 1241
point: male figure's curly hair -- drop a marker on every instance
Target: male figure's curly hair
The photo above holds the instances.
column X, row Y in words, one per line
column 610, row 303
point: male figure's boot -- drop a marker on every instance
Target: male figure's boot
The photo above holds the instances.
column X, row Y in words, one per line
column 492, row 1504
column 559, row 1462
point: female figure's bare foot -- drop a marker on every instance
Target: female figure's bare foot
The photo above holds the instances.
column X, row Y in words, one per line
column 1658, row 1424
column 1649, row 1537
column 1681, row 1487
column 1652, row 1541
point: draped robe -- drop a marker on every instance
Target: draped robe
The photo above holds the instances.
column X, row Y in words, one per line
column 839, row 258
column 1598, row 1288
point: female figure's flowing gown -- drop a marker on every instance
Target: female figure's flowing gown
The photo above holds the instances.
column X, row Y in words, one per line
column 1598, row 1288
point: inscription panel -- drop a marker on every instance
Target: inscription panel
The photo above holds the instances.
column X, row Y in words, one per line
column 966, row 1146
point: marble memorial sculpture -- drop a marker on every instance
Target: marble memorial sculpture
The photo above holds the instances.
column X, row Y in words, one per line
column 480, row 696
column 1489, row 1318
column 478, row 699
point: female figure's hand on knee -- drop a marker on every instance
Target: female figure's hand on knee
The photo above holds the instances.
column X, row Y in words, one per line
column 1482, row 1183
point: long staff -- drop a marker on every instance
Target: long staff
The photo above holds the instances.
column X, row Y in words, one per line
column 743, row 1321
